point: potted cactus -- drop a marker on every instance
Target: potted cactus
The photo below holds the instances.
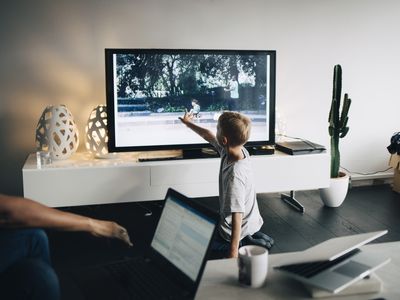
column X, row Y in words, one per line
column 336, row 193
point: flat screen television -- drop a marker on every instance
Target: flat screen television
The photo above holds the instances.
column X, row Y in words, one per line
column 148, row 90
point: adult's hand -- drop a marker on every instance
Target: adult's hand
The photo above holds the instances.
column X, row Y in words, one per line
column 109, row 229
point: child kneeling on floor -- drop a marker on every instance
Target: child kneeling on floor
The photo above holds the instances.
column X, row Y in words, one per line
column 240, row 219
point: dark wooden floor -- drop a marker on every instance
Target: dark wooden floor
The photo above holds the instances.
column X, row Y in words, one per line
column 365, row 209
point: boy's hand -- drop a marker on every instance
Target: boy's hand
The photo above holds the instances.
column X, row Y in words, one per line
column 206, row 134
column 234, row 253
column 187, row 117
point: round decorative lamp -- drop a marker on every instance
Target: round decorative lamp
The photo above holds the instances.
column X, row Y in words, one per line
column 57, row 133
column 96, row 132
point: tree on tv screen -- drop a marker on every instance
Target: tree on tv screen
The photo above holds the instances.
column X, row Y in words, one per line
column 171, row 77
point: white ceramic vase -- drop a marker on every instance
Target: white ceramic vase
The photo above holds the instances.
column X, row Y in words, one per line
column 57, row 133
column 334, row 195
column 97, row 133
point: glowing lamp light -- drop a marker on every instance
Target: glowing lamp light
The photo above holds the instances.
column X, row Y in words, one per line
column 96, row 132
column 57, row 133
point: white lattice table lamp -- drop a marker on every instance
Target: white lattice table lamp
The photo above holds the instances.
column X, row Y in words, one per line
column 96, row 132
column 57, row 133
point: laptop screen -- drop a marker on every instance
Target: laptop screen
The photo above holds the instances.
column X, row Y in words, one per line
column 182, row 236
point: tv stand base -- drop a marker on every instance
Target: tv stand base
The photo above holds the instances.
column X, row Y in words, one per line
column 261, row 150
column 199, row 153
column 291, row 200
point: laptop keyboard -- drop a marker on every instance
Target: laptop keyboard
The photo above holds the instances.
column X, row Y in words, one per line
column 309, row 270
column 142, row 281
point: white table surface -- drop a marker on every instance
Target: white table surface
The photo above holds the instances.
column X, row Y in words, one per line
column 220, row 279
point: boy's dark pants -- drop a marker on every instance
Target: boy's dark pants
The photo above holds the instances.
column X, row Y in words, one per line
column 220, row 248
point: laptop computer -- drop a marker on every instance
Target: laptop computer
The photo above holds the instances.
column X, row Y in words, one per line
column 173, row 265
column 336, row 263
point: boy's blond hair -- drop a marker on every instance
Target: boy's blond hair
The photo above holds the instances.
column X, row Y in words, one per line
column 235, row 127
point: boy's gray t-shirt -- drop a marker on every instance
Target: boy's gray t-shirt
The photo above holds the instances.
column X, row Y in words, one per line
column 237, row 194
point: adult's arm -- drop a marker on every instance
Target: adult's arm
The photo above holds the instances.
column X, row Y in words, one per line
column 18, row 212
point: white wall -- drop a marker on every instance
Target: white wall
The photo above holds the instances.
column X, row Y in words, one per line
column 53, row 52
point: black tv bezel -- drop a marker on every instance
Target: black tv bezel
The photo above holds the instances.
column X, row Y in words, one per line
column 109, row 82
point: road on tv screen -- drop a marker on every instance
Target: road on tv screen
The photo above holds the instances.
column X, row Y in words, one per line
column 167, row 129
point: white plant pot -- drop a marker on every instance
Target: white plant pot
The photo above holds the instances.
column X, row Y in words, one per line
column 334, row 195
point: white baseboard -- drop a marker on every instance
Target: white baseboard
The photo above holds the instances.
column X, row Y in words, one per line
column 373, row 179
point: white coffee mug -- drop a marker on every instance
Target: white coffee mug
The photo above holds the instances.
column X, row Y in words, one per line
column 253, row 265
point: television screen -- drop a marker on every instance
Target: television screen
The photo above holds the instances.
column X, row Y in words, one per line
column 149, row 89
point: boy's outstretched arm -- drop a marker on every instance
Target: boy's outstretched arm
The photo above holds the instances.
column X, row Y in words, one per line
column 236, row 230
column 206, row 134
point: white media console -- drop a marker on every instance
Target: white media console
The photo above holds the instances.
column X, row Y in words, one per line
column 84, row 180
